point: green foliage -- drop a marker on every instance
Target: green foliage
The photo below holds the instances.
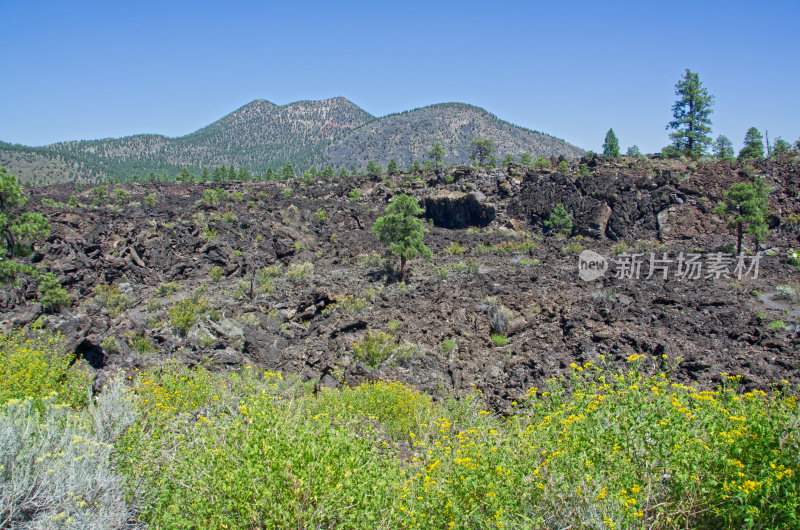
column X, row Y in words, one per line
column 563, row 167
column 499, row 340
column 100, row 194
column 73, row 201
column 214, row 196
column 402, row 230
column 541, row 162
column 342, row 172
column 415, row 167
column 184, row 313
column 526, row 159
column 436, row 154
column 112, row 299
column 55, row 463
column 287, row 171
column 373, row 169
column 781, row 147
column 110, row 344
column 216, row 272
column 619, row 450
column 746, row 205
column 777, row 325
column 448, row 345
column 308, row 178
column 377, row 347
column 525, row 246
column 354, row 195
column 573, row 246
column 454, row 248
column 507, row 161
column 150, row 200
column 560, row 220
column 584, row 170
column 168, row 288
column 33, row 364
column 52, row 295
column 300, row 271
column 321, row 216
column 392, row 168
column 141, row 344
column 723, row 148
column 611, row 145
column 691, row 116
column 753, row 145
column 633, row 151
column 18, row 230
column 481, row 152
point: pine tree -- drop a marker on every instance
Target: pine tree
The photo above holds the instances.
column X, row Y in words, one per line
column 746, row 204
column 403, row 231
column 691, row 113
column 526, row 159
column 342, row 171
column 560, row 220
column 373, row 169
column 18, row 230
column 436, row 154
column 287, row 171
column 723, row 148
column 781, row 147
column 482, row 152
column 392, row 167
column 753, row 145
column 328, row 172
column 611, row 145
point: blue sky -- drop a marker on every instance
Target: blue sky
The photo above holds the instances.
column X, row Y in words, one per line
column 83, row 70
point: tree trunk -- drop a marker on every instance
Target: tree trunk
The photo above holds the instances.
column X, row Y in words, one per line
column 739, row 238
column 402, row 268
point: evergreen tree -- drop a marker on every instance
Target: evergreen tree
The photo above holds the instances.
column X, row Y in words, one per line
column 373, row 169
column 691, row 113
column 507, row 161
column 243, row 175
column 287, row 171
column 753, row 145
column 746, row 204
column 18, row 230
column 342, row 171
column 611, row 145
column 781, row 147
column 184, row 175
column 437, row 155
column 526, row 159
column 269, row 174
column 482, row 152
column 633, row 151
column 723, row 148
column 403, row 231
column 232, row 173
column 392, row 167
column 205, row 175
column 220, row 173
column 328, row 172
column 415, row 167
column 560, row 220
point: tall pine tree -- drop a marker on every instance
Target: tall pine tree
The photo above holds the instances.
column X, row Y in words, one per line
column 691, row 113
column 611, row 144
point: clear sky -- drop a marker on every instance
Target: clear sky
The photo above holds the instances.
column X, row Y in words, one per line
column 85, row 70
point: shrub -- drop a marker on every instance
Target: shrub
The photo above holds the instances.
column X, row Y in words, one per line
column 110, row 297
column 51, row 294
column 34, row 364
column 300, row 271
column 167, row 289
column 560, row 220
column 321, row 216
column 377, row 347
column 287, row 193
column 499, row 340
column 777, row 325
column 448, row 346
column 541, row 162
column 141, row 344
column 150, row 200
column 183, row 314
column 354, row 195
column 55, row 467
column 110, row 344
column 455, row 248
column 573, row 247
column 563, row 166
column 216, row 272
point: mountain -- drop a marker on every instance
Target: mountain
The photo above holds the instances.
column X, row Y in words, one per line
column 261, row 134
column 409, row 135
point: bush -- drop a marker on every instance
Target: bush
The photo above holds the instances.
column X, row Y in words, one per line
column 300, row 271
column 560, row 220
column 51, row 294
column 55, row 468
column 354, row 195
column 620, row 450
column 216, row 272
column 112, row 299
column 563, row 167
column 33, row 364
column 499, row 340
column 183, row 314
column 541, row 162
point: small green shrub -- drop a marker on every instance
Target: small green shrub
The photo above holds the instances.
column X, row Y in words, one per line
column 150, row 200
column 499, row 340
column 541, row 162
column 167, row 289
column 110, row 297
column 573, row 246
column 216, row 272
column 560, row 220
column 300, row 271
column 184, row 313
column 448, row 345
column 777, row 325
column 141, row 344
column 563, row 167
column 287, row 193
column 110, row 344
column 51, row 294
column 321, row 216
column 33, row 364
column 354, row 195
column 455, row 248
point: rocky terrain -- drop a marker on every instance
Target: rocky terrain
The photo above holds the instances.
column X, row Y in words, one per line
column 320, row 281
column 261, row 135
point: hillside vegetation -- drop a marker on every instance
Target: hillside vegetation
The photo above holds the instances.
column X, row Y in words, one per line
column 263, row 135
